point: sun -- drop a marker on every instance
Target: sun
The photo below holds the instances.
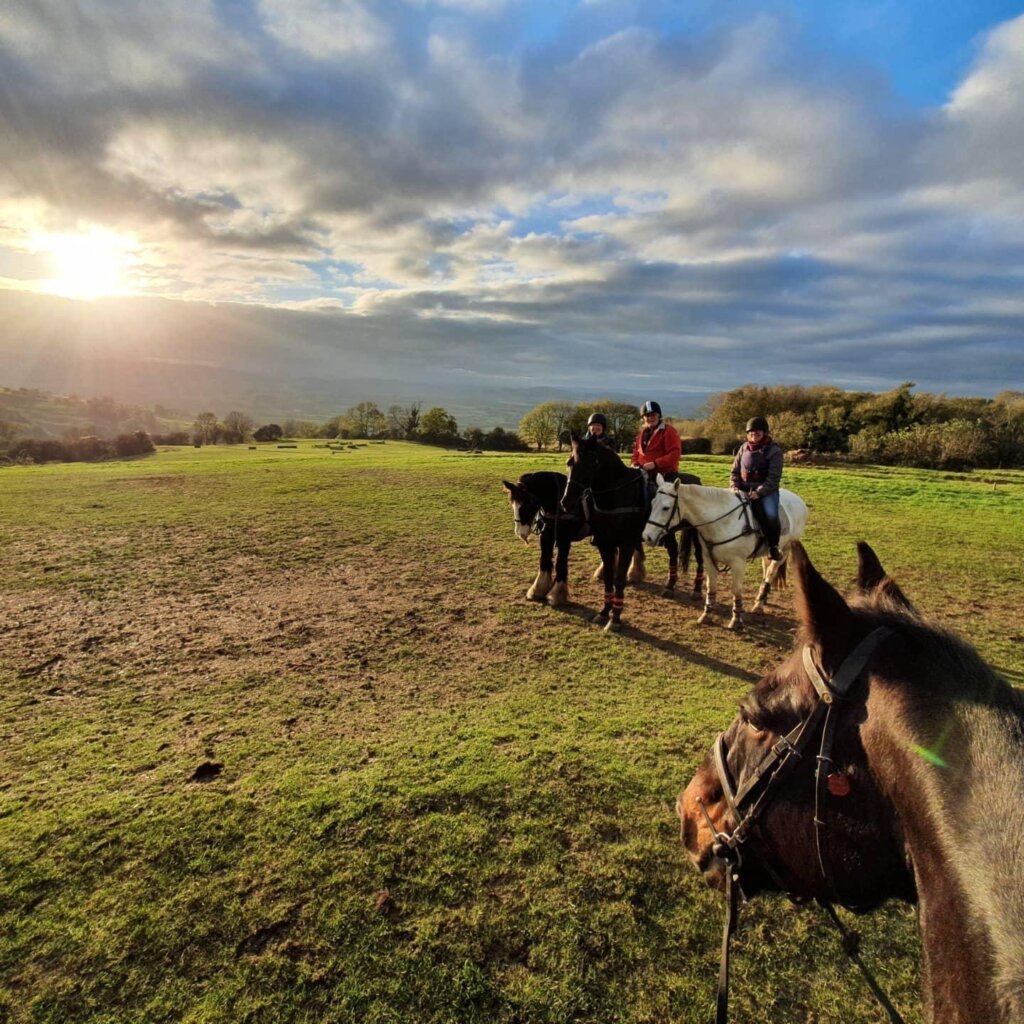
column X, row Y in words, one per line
column 87, row 265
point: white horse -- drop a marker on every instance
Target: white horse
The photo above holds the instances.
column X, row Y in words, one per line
column 729, row 533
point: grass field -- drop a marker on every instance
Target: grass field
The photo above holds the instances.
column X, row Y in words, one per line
column 282, row 741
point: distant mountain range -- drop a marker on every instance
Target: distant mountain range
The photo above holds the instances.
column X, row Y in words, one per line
column 271, row 364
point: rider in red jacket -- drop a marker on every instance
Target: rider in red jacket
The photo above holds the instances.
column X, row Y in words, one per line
column 657, row 447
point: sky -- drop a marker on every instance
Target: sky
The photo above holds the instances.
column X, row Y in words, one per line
column 605, row 195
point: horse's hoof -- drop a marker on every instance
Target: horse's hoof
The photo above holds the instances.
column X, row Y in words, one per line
column 613, row 626
column 599, row 619
column 636, row 577
column 736, row 625
column 758, row 609
column 668, row 592
column 704, row 619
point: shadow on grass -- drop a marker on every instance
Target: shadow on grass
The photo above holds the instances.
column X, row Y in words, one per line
column 678, row 650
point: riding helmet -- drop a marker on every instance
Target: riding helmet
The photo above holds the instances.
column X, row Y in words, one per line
column 649, row 407
column 597, row 417
column 757, row 423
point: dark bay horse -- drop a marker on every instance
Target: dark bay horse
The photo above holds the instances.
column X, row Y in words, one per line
column 536, row 510
column 613, row 497
column 883, row 759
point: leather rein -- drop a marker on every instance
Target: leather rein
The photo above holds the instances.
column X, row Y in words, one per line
column 749, row 801
column 742, row 507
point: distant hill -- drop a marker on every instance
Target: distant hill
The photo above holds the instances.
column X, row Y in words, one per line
column 272, row 364
column 39, row 414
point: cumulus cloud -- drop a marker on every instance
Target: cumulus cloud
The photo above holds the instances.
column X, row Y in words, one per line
column 618, row 188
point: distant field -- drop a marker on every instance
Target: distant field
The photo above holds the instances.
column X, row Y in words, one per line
column 282, row 741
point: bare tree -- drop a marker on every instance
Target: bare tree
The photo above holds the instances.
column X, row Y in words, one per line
column 206, row 429
column 237, row 427
column 405, row 419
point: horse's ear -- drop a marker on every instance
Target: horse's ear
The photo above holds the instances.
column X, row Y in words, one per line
column 827, row 619
column 873, row 579
column 661, row 479
column 869, row 569
column 511, row 489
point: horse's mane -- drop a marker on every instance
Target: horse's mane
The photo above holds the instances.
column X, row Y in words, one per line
column 967, row 724
column 955, row 670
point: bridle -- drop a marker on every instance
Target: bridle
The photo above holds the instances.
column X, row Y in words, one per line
column 710, row 545
column 665, row 526
column 749, row 801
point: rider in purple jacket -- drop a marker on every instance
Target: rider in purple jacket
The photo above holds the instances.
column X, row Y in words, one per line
column 756, row 473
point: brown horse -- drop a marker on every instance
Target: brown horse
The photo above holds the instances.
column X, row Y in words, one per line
column 883, row 759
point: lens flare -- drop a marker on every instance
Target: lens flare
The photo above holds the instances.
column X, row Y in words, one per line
column 87, row 265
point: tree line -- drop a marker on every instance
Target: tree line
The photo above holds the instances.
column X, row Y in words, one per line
column 364, row 421
column 896, row 427
column 33, row 450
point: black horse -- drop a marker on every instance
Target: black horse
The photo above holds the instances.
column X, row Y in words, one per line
column 613, row 498
column 536, row 510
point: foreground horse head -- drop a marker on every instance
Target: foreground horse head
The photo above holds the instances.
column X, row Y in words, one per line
column 883, row 759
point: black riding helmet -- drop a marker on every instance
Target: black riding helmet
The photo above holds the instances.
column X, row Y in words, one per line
column 757, row 423
column 597, row 417
column 649, row 407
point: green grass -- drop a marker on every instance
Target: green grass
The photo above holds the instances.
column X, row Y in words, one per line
column 347, row 636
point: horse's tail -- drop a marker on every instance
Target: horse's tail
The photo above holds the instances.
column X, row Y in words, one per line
column 685, row 549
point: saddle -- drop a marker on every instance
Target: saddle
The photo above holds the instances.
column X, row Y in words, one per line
column 753, row 525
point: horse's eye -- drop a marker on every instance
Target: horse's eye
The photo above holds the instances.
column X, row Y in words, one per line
column 753, row 726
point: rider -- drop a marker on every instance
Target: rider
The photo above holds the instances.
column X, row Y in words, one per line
column 597, row 428
column 657, row 447
column 756, row 472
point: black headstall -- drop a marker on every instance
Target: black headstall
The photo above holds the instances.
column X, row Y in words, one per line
column 749, row 800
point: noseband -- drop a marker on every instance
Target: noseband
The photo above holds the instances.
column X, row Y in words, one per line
column 750, row 800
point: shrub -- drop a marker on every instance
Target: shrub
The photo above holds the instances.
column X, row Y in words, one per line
column 137, row 443
column 696, row 445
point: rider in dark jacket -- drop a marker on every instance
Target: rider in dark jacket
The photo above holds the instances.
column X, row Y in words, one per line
column 756, row 473
column 597, row 428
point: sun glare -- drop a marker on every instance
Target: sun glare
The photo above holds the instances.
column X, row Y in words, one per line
column 86, row 266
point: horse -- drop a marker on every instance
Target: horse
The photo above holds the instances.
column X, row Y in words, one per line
column 613, row 497
column 883, row 759
column 535, row 509
column 679, row 550
column 727, row 531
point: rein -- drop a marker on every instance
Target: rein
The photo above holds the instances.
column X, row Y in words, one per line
column 743, row 506
column 749, row 801
column 592, row 505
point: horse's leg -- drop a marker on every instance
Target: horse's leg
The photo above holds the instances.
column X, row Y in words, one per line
column 693, row 540
column 774, row 574
column 766, row 585
column 672, row 547
column 710, row 592
column 542, row 584
column 618, row 595
column 559, row 595
column 736, row 567
column 608, row 573
column 637, row 566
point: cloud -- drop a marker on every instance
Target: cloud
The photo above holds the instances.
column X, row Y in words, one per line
column 324, row 29
column 614, row 188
